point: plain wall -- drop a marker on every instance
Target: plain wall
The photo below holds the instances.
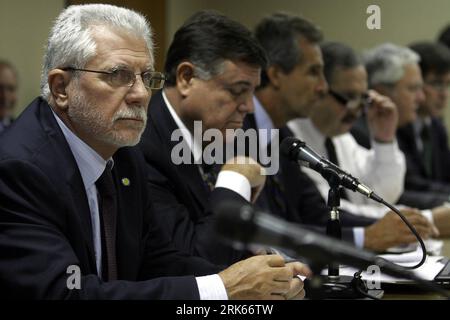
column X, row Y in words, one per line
column 402, row 21
column 24, row 28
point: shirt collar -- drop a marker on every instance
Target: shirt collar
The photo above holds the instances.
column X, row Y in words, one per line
column 263, row 121
column 420, row 123
column 90, row 163
column 187, row 135
column 6, row 121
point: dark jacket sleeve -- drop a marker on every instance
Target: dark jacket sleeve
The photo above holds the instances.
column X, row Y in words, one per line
column 422, row 199
column 191, row 233
column 36, row 252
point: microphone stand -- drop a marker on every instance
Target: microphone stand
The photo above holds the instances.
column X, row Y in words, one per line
column 335, row 286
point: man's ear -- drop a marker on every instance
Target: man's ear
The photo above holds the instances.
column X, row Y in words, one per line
column 58, row 81
column 185, row 74
column 274, row 73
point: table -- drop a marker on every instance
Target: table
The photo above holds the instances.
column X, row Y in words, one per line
column 408, row 294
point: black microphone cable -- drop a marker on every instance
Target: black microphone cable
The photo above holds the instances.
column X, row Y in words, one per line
column 413, row 230
column 289, row 147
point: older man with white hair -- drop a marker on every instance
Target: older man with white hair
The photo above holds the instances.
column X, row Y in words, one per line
column 394, row 71
column 75, row 217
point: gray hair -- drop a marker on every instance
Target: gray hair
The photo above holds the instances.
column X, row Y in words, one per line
column 71, row 44
column 278, row 34
column 386, row 63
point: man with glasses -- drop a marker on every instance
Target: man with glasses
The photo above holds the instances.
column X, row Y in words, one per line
column 327, row 131
column 395, row 72
column 76, row 219
column 425, row 141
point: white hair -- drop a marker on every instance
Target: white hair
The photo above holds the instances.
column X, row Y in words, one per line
column 71, row 43
column 386, row 63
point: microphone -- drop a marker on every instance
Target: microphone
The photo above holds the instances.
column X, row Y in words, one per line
column 297, row 150
column 243, row 225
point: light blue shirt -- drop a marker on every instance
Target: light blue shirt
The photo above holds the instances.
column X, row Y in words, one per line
column 91, row 166
column 263, row 121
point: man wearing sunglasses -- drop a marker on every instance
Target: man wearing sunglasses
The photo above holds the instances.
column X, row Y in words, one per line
column 395, row 72
column 327, row 131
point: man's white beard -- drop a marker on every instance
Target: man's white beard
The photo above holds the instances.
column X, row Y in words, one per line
column 94, row 123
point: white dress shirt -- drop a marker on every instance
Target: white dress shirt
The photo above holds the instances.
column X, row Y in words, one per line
column 211, row 287
column 263, row 121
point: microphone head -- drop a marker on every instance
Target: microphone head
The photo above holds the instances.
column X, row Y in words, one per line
column 289, row 147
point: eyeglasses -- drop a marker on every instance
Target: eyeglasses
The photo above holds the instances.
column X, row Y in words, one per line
column 351, row 104
column 122, row 77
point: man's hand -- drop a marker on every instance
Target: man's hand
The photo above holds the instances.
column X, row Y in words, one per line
column 391, row 231
column 441, row 217
column 297, row 291
column 250, row 169
column 264, row 277
column 382, row 117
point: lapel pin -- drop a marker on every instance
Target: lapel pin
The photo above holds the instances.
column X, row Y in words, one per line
column 126, row 182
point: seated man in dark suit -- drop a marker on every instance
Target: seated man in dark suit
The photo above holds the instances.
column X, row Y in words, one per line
column 291, row 87
column 76, row 221
column 327, row 132
column 394, row 71
column 425, row 141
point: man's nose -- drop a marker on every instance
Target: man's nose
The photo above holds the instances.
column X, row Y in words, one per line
column 138, row 92
column 322, row 86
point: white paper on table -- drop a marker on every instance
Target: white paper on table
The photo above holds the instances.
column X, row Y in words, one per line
column 428, row 271
column 433, row 246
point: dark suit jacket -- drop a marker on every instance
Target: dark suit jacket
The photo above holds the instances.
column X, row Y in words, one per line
column 303, row 201
column 179, row 194
column 420, row 191
column 416, row 176
column 45, row 224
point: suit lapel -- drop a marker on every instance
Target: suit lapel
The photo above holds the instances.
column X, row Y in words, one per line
column 189, row 173
column 408, row 139
column 75, row 194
